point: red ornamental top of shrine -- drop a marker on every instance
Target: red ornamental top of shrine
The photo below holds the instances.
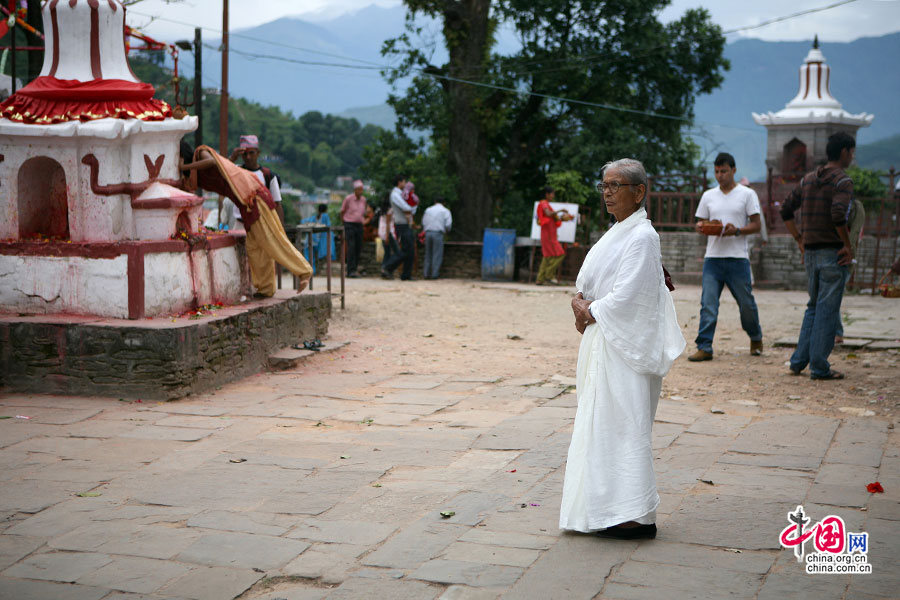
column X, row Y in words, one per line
column 86, row 75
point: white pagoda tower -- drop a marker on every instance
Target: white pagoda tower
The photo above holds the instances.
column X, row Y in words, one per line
column 799, row 132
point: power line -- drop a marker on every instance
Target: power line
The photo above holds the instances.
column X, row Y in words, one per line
column 785, row 18
column 495, row 87
column 296, row 60
column 466, row 81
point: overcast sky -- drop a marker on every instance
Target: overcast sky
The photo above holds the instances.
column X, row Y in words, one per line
column 861, row 18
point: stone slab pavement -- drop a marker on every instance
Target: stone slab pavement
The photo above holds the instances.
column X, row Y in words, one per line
column 304, row 487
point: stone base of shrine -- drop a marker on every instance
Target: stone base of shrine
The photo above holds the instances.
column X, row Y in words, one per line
column 126, row 279
column 154, row 359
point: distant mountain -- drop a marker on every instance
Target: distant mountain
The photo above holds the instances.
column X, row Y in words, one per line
column 763, row 77
column 380, row 114
column 881, row 155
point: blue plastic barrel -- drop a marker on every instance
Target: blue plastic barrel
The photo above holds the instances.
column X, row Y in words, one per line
column 498, row 254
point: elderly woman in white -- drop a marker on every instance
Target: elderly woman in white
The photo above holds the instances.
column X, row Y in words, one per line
column 630, row 339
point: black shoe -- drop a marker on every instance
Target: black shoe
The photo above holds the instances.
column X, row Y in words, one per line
column 828, row 375
column 353, row 275
column 629, row 533
column 385, row 274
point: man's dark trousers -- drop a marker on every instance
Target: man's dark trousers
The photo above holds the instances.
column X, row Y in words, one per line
column 407, row 252
column 354, row 233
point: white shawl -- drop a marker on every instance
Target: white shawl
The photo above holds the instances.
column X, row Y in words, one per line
column 622, row 276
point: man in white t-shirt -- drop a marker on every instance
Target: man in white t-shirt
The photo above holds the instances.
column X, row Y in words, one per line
column 249, row 153
column 727, row 261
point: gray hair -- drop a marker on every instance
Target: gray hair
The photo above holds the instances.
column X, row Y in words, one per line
column 633, row 170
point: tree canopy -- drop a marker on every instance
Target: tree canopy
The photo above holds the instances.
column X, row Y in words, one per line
column 593, row 80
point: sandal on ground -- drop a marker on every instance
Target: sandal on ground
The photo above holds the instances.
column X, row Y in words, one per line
column 306, row 346
column 829, row 375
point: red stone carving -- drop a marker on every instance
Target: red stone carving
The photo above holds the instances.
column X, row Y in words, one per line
column 153, row 168
column 132, row 189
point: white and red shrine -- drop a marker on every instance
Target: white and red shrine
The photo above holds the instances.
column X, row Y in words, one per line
column 91, row 218
column 799, row 132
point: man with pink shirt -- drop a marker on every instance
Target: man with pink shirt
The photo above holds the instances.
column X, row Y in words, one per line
column 353, row 214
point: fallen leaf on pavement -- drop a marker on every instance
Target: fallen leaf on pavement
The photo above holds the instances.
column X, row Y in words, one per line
column 447, row 513
column 237, row 460
column 88, row 494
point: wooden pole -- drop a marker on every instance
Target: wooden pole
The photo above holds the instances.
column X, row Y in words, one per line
column 223, row 110
column 12, row 51
column 198, row 85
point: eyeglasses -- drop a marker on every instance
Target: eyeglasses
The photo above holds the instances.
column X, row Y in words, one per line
column 612, row 186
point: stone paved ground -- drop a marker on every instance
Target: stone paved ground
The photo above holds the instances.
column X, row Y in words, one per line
column 328, row 481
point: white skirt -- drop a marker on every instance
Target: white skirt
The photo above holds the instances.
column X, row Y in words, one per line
column 609, row 474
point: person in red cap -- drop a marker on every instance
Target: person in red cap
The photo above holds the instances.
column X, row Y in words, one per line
column 353, row 214
column 266, row 239
column 248, row 150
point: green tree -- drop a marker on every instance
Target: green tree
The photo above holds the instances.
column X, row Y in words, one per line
column 569, row 187
column 501, row 144
column 868, row 183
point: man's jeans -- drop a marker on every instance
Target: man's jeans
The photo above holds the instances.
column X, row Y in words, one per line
column 823, row 311
column 407, row 252
column 735, row 273
column 434, row 253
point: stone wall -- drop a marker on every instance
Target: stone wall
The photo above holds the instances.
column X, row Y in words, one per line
column 775, row 265
column 151, row 359
column 462, row 260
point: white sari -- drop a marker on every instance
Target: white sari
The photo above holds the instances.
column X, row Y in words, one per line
column 621, row 362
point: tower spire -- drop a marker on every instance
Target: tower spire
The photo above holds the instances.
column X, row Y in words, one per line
column 816, row 42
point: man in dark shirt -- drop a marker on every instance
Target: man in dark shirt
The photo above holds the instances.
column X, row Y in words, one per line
column 824, row 197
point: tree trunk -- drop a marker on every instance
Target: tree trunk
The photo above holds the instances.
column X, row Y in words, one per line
column 467, row 31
